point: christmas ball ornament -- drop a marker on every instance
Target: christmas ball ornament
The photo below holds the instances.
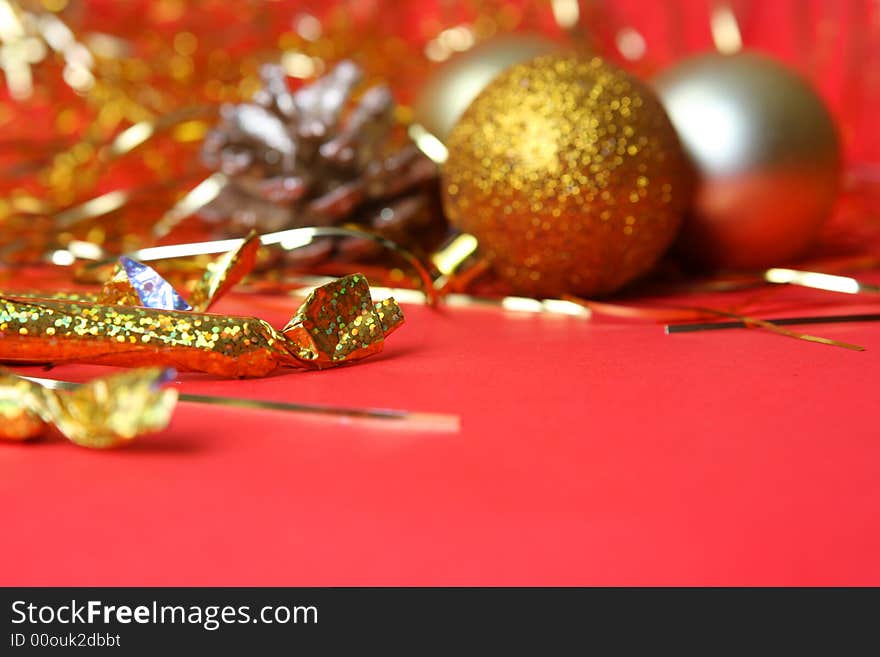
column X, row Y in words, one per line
column 455, row 84
column 570, row 175
column 766, row 154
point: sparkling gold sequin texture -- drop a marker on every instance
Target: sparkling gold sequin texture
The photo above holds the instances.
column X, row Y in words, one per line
column 338, row 323
column 570, row 175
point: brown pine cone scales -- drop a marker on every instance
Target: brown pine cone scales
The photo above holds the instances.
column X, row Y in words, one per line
column 300, row 159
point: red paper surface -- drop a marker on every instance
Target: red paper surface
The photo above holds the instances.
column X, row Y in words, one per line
column 590, row 453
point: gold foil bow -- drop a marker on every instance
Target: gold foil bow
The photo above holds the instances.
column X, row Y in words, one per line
column 107, row 412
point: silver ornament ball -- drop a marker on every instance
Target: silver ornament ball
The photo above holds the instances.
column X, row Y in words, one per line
column 766, row 153
column 453, row 86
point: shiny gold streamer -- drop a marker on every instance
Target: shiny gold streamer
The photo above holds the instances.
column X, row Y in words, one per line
column 679, row 313
column 290, row 239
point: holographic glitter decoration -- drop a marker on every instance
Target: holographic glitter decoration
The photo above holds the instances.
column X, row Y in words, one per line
column 152, row 290
column 133, row 283
column 344, row 325
column 330, row 328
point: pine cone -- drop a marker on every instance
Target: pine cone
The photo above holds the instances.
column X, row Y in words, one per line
column 296, row 159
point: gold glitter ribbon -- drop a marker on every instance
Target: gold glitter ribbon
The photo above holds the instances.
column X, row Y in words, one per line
column 216, row 280
column 222, row 274
column 687, row 313
column 338, row 323
column 106, row 412
column 287, row 240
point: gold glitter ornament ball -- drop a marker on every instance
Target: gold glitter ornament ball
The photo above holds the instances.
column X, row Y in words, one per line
column 570, row 175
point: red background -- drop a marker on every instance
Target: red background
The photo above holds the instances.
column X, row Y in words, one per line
column 590, row 452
